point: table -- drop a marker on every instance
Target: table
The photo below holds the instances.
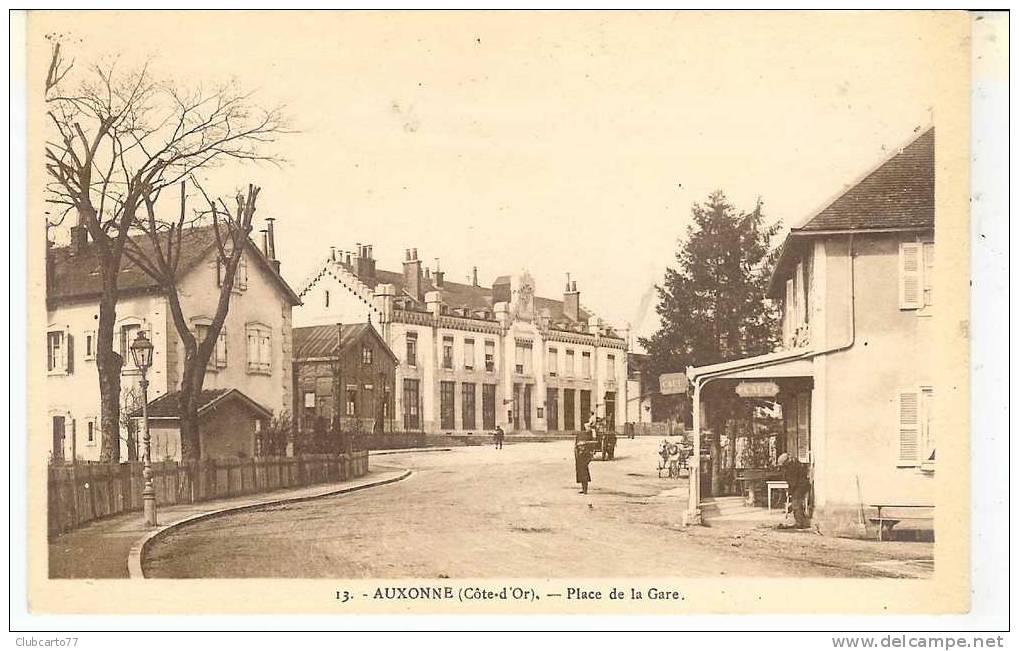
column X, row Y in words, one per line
column 777, row 485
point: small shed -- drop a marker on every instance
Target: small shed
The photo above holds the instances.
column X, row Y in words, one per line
column 228, row 423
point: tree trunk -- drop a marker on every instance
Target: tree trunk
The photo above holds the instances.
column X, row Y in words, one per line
column 108, row 365
column 190, row 437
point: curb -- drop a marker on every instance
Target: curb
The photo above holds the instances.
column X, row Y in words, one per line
column 382, row 453
column 134, row 557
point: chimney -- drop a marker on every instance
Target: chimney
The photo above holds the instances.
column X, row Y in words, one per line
column 332, row 253
column 271, row 243
column 439, row 274
column 265, row 242
column 79, row 239
column 348, row 258
column 412, row 275
column 428, row 273
column 474, row 276
column 365, row 263
column 571, row 301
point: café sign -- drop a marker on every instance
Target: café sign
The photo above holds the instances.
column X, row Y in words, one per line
column 672, row 383
column 757, row 389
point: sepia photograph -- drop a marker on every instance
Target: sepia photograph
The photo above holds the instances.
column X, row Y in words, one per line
column 498, row 311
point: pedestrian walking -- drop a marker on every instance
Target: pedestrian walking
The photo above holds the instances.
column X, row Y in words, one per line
column 796, row 477
column 499, row 436
column 582, row 453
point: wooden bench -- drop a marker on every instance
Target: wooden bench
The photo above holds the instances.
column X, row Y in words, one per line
column 885, row 523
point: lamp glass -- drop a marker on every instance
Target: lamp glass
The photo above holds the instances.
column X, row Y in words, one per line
column 141, row 351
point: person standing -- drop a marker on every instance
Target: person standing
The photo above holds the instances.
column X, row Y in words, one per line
column 499, row 436
column 799, row 485
column 582, row 453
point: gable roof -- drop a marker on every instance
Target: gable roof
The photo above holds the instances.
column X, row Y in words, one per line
column 898, row 195
column 75, row 276
column 323, row 341
column 167, row 407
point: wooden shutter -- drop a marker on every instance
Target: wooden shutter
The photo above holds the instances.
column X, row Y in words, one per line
column 242, row 274
column 252, row 348
column 265, row 349
column 68, row 353
column 910, row 276
column 909, row 428
column 928, row 273
column 798, row 297
column 221, row 349
column 789, row 313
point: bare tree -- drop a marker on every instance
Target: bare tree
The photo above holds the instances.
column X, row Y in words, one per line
column 160, row 260
column 117, row 137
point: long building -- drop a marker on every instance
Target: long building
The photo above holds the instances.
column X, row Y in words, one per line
column 473, row 357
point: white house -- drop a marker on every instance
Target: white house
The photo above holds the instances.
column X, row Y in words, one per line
column 252, row 358
column 854, row 375
column 473, row 357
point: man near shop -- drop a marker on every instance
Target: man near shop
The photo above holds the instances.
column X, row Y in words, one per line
column 796, row 477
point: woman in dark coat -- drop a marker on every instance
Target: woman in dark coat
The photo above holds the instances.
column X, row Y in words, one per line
column 582, row 453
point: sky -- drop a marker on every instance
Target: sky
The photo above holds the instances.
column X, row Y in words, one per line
column 549, row 142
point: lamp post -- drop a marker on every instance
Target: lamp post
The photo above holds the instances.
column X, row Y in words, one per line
column 141, row 352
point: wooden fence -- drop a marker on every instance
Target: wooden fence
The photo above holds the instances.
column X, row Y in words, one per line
column 82, row 492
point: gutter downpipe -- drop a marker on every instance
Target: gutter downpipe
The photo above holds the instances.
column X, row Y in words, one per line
column 693, row 513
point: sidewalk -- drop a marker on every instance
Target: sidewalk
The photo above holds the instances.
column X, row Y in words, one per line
column 100, row 550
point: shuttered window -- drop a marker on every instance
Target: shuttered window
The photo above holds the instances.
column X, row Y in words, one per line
column 56, row 360
column 90, row 344
column 259, row 348
column 910, row 276
column 909, row 428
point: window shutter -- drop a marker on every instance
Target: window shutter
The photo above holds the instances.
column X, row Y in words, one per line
column 221, row 349
column 219, row 273
column 928, row 273
column 265, row 350
column 910, row 287
column 252, row 347
column 790, row 310
column 798, row 296
column 242, row 274
column 909, row 428
column 69, row 354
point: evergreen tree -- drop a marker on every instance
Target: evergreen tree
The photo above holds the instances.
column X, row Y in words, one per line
column 712, row 305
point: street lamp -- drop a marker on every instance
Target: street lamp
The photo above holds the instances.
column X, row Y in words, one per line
column 141, row 352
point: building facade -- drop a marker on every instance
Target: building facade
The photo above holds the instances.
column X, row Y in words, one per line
column 252, row 356
column 854, row 376
column 474, row 357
